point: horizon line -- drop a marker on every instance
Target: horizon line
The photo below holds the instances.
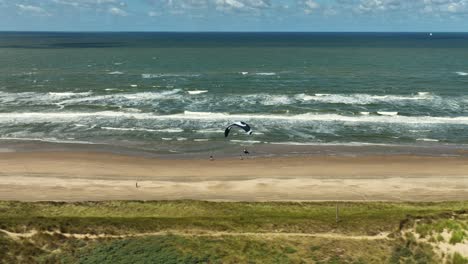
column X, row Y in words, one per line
column 209, row 31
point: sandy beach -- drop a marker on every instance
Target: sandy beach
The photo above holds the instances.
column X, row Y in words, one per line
column 82, row 176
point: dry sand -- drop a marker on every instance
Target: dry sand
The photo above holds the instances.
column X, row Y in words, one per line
column 79, row 176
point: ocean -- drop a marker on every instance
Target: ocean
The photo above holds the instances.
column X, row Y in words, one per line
column 174, row 93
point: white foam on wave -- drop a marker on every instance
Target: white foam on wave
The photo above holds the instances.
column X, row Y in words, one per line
column 171, row 130
column 265, row 73
column 201, row 139
column 163, row 75
column 427, row 139
column 68, row 94
column 116, row 73
column 264, row 99
column 364, row 113
column 361, row 98
column 167, row 130
column 419, row 131
column 34, row 117
column 384, row 113
column 134, row 85
column 39, row 98
column 462, row 73
column 123, row 97
column 194, row 92
column 129, row 129
column 276, row 100
column 423, row 93
column 244, row 73
column 214, row 130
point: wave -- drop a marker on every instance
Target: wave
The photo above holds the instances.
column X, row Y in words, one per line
column 264, row 99
column 35, row 117
column 68, row 94
column 163, row 75
column 197, row 92
column 361, row 98
column 167, row 130
column 265, row 73
column 387, row 113
column 462, row 73
column 128, row 129
column 171, row 130
column 125, row 97
column 116, row 73
column 209, row 131
column 427, row 139
column 39, row 98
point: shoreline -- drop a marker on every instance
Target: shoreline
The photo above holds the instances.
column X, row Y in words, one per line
column 94, row 176
column 230, row 150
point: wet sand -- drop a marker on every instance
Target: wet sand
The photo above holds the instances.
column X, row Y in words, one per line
column 83, row 176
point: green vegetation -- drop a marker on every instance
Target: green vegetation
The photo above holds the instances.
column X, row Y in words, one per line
column 457, row 228
column 194, row 226
column 119, row 217
column 459, row 259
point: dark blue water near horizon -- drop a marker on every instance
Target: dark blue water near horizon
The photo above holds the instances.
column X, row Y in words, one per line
column 175, row 92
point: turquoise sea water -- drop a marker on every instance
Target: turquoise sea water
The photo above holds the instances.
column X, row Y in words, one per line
column 175, row 92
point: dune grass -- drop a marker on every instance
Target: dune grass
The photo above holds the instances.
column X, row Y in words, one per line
column 120, row 217
column 52, row 220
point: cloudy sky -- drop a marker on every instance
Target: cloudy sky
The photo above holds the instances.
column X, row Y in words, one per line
column 234, row 15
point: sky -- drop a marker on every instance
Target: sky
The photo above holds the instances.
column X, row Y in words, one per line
column 234, row 15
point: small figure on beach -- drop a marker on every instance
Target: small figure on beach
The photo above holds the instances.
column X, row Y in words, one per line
column 211, row 158
column 246, row 152
column 136, row 185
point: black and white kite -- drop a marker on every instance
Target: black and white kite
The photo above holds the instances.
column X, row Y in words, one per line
column 242, row 125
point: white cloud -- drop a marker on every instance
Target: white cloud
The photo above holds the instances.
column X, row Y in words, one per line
column 153, row 14
column 445, row 6
column 88, row 3
column 310, row 6
column 33, row 10
column 379, row 5
column 117, row 11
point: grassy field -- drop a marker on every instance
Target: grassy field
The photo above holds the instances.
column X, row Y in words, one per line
column 210, row 232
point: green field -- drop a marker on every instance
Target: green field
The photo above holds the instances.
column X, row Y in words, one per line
column 211, row 232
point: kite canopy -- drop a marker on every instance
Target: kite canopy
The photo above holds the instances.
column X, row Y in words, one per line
column 241, row 125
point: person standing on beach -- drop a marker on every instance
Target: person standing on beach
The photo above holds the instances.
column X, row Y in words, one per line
column 246, row 152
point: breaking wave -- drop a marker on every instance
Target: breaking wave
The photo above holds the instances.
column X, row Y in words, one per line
column 35, row 117
column 163, row 75
column 362, row 99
